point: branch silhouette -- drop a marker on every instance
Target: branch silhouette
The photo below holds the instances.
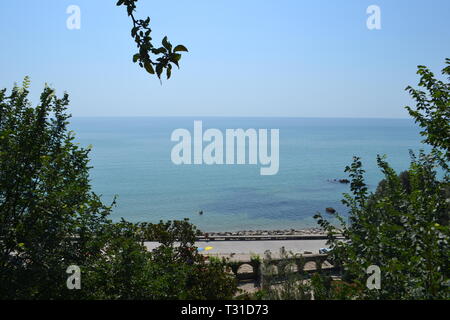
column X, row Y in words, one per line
column 155, row 60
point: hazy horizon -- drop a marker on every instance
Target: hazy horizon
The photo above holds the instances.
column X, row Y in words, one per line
column 205, row 117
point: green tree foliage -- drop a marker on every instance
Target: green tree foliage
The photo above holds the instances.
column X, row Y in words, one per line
column 152, row 59
column 403, row 226
column 432, row 110
column 50, row 219
column 45, row 196
column 126, row 269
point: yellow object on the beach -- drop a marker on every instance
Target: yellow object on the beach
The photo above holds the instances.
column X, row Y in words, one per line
column 208, row 248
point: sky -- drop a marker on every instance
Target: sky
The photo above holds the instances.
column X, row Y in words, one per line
column 271, row 58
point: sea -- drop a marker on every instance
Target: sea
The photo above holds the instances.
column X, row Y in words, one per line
column 131, row 159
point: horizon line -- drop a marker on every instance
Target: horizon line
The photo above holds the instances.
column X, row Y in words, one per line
column 264, row 117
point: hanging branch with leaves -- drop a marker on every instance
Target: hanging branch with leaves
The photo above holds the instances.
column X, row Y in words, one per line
column 152, row 59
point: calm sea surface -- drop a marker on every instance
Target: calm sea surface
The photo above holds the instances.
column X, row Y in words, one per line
column 131, row 159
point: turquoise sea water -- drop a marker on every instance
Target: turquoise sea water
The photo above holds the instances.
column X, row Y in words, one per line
column 131, row 159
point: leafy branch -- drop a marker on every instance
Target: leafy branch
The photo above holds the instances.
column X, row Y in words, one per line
column 152, row 59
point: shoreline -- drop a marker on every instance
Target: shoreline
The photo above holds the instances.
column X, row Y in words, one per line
column 277, row 232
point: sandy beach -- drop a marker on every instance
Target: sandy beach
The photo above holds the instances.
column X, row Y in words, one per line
column 255, row 247
column 243, row 249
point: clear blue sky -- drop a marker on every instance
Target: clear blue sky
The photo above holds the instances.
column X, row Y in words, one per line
column 247, row 57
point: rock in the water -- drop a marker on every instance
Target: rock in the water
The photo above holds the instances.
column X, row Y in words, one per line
column 330, row 210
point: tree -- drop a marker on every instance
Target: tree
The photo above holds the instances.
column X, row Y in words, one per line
column 402, row 227
column 432, row 110
column 45, row 196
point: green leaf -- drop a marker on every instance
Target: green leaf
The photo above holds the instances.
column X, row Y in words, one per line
column 180, row 47
column 169, row 71
column 148, row 66
column 159, row 70
column 136, row 57
column 159, row 50
column 134, row 31
column 166, row 44
column 174, row 58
